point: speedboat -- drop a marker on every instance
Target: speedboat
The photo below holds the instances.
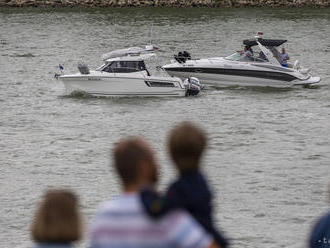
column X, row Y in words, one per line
column 264, row 69
column 124, row 73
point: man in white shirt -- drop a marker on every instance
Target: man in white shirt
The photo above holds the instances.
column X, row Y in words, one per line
column 121, row 221
column 284, row 57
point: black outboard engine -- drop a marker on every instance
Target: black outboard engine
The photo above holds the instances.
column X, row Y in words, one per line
column 186, row 55
column 193, row 86
column 182, row 57
column 83, row 68
column 179, row 57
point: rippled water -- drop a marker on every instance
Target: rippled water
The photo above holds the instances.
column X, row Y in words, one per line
column 268, row 158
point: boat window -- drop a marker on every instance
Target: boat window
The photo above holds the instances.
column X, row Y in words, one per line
column 125, row 66
column 159, row 84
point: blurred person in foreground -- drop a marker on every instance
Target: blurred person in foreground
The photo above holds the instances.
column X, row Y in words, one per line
column 57, row 223
column 320, row 236
column 121, row 222
column 190, row 191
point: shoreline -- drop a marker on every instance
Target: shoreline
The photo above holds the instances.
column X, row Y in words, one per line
column 167, row 3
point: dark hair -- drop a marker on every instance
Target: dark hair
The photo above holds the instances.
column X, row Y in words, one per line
column 127, row 155
column 186, row 144
column 57, row 220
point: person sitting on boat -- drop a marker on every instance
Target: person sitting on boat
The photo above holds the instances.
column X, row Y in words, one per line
column 284, row 57
column 247, row 52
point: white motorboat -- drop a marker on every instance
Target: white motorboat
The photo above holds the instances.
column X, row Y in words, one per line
column 124, row 73
column 238, row 69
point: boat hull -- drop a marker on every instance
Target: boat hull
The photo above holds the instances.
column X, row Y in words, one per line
column 223, row 80
column 122, row 86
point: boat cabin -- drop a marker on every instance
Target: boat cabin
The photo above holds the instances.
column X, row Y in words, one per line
column 126, row 64
column 127, row 60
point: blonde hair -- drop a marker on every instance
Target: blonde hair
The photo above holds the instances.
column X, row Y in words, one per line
column 57, row 220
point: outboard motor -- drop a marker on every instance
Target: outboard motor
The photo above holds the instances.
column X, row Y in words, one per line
column 83, row 68
column 192, row 85
column 186, row 55
column 179, row 58
column 182, row 57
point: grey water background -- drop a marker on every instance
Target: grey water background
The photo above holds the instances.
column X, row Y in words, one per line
column 268, row 157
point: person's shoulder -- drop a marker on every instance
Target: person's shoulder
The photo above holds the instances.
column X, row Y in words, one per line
column 321, row 228
column 324, row 219
column 322, row 224
column 175, row 185
column 108, row 204
column 180, row 185
column 120, row 203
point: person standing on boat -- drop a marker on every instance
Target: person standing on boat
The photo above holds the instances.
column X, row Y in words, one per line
column 284, row 57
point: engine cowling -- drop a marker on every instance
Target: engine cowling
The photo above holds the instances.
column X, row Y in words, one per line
column 193, row 86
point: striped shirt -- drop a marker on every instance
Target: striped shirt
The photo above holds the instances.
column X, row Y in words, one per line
column 122, row 223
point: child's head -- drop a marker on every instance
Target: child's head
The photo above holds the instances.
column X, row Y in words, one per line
column 186, row 145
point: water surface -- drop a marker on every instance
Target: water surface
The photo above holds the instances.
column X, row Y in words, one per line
column 268, row 156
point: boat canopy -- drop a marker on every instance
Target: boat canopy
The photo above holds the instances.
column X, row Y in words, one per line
column 131, row 51
column 264, row 42
column 123, row 52
column 132, row 57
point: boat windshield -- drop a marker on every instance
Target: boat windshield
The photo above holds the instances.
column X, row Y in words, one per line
column 258, row 56
column 124, row 66
column 238, row 57
column 234, row 57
